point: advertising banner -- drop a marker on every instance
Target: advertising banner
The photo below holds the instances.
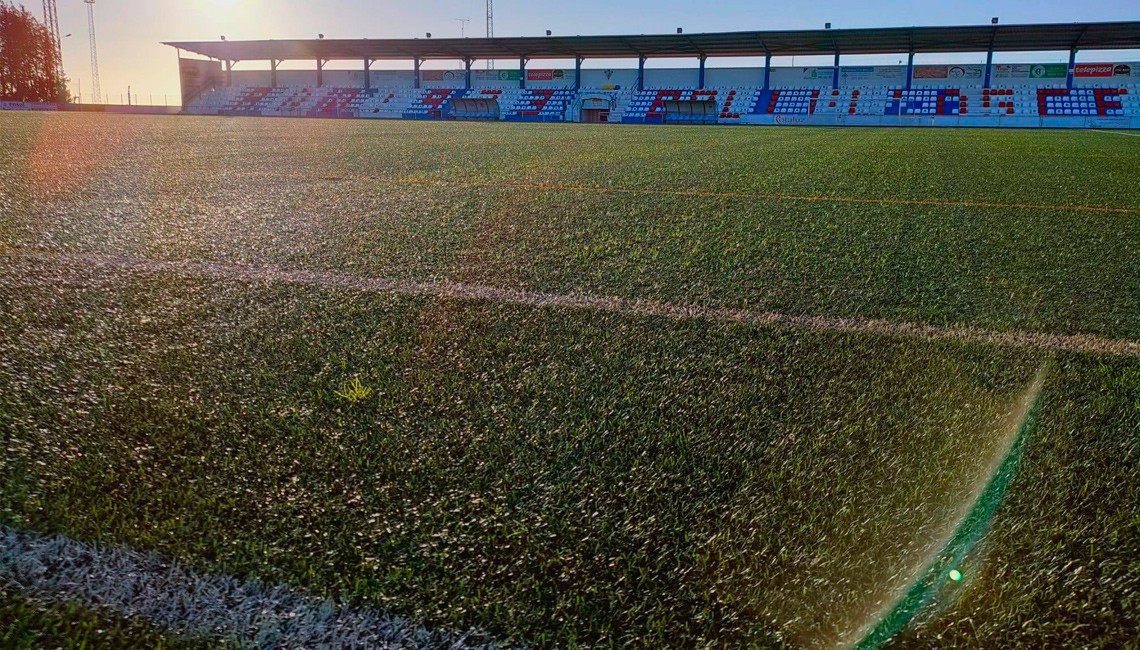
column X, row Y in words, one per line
column 966, row 71
column 442, row 75
column 873, row 73
column 1096, row 70
column 1049, row 71
column 1013, row 71
column 818, row 73
column 27, row 106
column 496, row 75
column 546, row 75
column 931, row 72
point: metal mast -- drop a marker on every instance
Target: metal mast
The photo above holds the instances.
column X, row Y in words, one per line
column 51, row 20
column 490, row 28
column 94, row 53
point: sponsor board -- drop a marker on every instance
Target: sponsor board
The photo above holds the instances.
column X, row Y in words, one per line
column 476, row 75
column 872, row 73
column 931, row 72
column 1012, row 71
column 791, row 120
column 818, row 73
column 545, row 75
column 497, row 75
column 1094, row 70
column 27, row 106
column 966, row 71
column 441, row 75
column 1049, row 71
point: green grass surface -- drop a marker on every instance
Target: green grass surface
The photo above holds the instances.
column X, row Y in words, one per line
column 578, row 478
column 304, row 194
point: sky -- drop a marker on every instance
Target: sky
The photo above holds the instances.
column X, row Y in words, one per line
column 130, row 32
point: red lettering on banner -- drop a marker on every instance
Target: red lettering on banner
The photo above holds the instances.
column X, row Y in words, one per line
column 1094, row 70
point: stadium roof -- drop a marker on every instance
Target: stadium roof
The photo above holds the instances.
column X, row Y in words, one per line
column 982, row 38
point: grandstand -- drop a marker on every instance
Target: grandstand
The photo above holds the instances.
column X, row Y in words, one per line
column 1076, row 95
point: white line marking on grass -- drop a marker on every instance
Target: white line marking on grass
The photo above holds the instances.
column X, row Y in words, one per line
column 1131, row 135
column 193, row 605
column 1018, row 339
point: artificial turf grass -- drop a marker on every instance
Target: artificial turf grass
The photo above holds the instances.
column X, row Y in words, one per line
column 554, row 477
column 304, row 195
column 27, row 624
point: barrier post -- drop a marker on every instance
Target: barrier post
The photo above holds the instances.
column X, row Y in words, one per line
column 1072, row 68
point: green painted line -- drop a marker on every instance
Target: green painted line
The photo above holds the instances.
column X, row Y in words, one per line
column 947, row 566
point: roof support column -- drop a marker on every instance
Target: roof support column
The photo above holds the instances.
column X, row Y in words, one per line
column 989, row 68
column 229, row 72
column 1072, row 68
column 419, row 77
column 701, row 74
column 640, row 73
column 522, row 72
column 273, row 63
column 320, row 73
column 368, row 74
column 467, row 78
column 578, row 72
column 835, row 73
column 910, row 70
column 767, row 72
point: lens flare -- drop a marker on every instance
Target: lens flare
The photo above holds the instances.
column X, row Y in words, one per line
column 969, row 531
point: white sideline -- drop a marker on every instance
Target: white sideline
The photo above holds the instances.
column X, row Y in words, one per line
column 1131, row 135
column 84, row 263
column 187, row 604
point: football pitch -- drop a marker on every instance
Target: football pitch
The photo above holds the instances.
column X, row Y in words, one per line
column 578, row 386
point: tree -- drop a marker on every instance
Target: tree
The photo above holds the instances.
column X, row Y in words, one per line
column 29, row 64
